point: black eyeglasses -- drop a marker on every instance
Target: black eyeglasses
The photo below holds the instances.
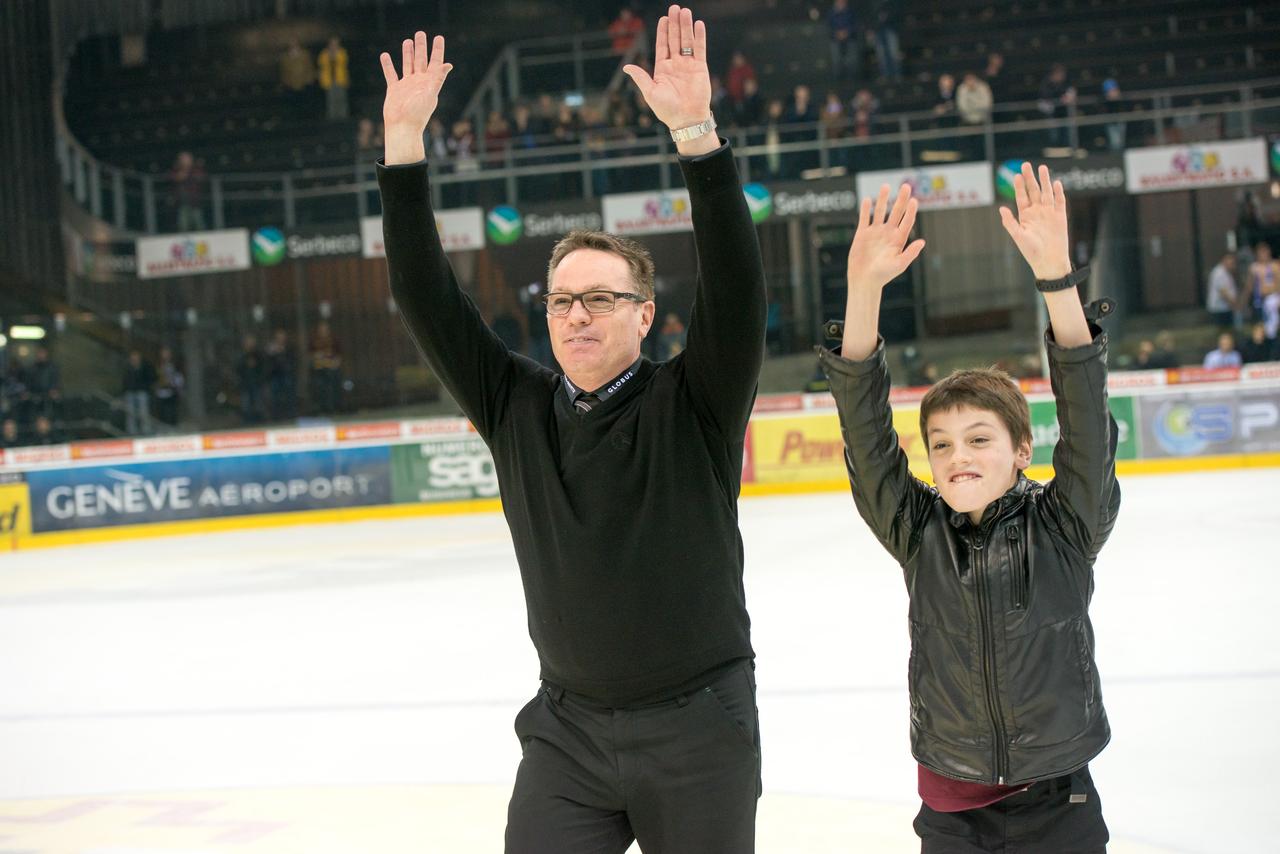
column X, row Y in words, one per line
column 561, row 303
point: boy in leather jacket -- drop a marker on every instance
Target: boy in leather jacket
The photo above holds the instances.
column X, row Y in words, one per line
column 1006, row 704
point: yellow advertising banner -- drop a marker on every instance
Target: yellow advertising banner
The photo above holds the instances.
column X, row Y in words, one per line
column 810, row 449
column 15, row 515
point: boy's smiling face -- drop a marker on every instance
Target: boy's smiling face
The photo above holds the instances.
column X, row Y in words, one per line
column 973, row 458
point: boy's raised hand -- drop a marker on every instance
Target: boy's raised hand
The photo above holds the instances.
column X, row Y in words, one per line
column 1040, row 229
column 877, row 256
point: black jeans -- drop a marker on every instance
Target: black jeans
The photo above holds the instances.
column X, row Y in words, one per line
column 680, row 776
column 1058, row 816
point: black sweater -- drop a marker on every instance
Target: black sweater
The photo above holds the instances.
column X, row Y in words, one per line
column 624, row 519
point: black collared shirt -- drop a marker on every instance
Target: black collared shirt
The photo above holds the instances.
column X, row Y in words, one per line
column 605, row 391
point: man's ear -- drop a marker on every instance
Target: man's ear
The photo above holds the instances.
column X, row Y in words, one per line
column 647, row 312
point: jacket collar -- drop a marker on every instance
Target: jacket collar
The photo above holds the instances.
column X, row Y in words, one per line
column 1002, row 506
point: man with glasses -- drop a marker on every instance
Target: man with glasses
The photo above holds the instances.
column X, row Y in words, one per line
column 619, row 481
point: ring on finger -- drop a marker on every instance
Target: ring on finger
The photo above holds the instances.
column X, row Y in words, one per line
column 686, row 51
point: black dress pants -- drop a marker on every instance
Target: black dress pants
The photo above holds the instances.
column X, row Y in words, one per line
column 1058, row 816
column 680, row 776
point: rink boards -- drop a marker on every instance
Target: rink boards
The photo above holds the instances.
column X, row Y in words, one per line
column 1190, row 419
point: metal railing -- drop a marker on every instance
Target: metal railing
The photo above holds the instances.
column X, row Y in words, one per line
column 133, row 202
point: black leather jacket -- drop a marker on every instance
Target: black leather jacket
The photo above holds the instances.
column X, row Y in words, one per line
column 1004, row 686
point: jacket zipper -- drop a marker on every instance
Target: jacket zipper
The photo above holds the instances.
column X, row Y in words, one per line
column 1018, row 569
column 988, row 659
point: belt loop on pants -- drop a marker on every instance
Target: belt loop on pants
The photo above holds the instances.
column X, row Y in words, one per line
column 555, row 692
column 682, row 700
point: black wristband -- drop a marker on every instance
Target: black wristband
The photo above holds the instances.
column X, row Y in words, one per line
column 1070, row 280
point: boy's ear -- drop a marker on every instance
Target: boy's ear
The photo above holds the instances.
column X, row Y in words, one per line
column 1022, row 455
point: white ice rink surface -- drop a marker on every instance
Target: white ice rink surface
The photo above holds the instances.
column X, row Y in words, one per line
column 352, row 687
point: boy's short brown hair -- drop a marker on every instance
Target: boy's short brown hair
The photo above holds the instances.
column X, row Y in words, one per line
column 990, row 389
column 637, row 257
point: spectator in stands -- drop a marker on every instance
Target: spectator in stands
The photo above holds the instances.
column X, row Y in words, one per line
column 368, row 136
column 884, row 26
column 800, row 111
column 595, row 138
column 462, row 151
column 437, row 143
column 1152, row 357
column 974, row 100
column 251, row 377
column 721, row 105
column 544, row 115
column 169, row 385
column 735, row 79
column 1259, row 348
column 335, row 79
column 774, row 120
column 618, row 111
column 834, row 125
column 44, row 383
column 139, row 379
column 1113, row 102
column 13, row 394
column 187, row 186
column 1223, row 300
column 9, row 435
column 1225, row 355
column 1264, row 282
column 326, row 370
column 973, row 105
column 993, row 74
column 296, row 71
column 523, row 132
column 846, row 41
column 671, row 338
column 497, row 133
column 944, row 108
column 567, row 126
column 1057, row 96
column 282, row 376
column 865, row 101
column 45, row 434
column 748, row 112
column 625, row 30
column 1165, row 353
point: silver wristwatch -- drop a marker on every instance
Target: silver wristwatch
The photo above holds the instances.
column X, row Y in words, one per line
column 694, row 131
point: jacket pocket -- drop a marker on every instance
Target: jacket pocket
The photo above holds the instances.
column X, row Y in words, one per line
column 1086, row 663
column 1019, row 569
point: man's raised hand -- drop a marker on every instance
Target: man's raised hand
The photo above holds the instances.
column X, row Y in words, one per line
column 877, row 255
column 1040, row 229
column 412, row 96
column 679, row 92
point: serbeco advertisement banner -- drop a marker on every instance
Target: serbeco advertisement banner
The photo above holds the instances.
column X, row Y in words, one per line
column 1096, row 175
column 1045, row 430
column 1187, row 425
column 443, row 470
column 964, row 185
column 507, row 224
column 1186, row 167
column 271, row 245
column 460, row 230
column 193, row 254
column 104, row 496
